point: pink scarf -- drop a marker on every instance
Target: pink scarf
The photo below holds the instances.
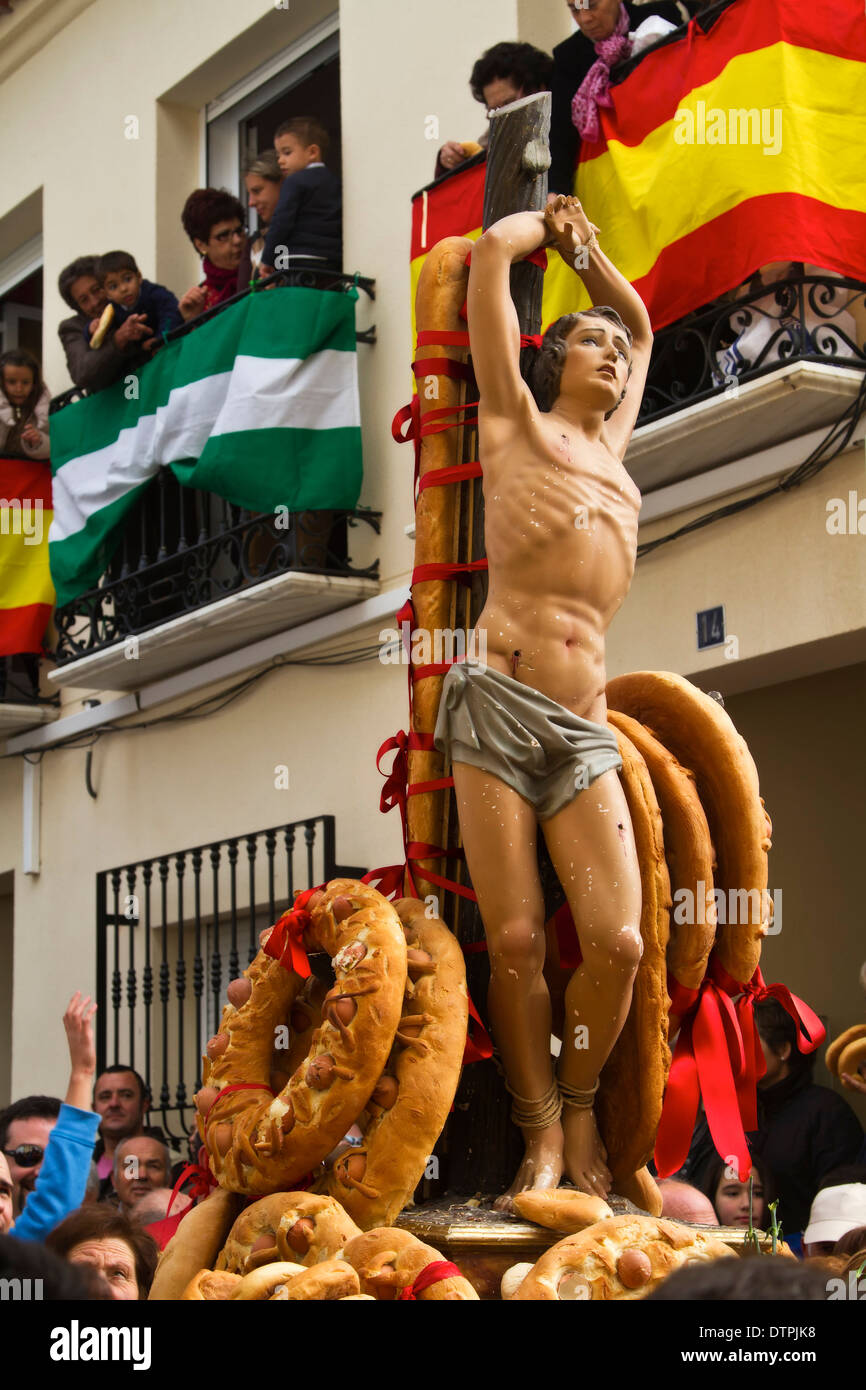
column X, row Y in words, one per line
column 594, row 90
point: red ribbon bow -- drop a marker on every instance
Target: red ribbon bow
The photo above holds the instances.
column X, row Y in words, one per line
column 718, row 1057
column 431, row 1274
column 286, row 941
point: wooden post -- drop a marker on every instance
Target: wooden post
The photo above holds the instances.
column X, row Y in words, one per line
column 484, row 1148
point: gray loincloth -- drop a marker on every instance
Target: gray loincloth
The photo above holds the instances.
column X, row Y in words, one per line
column 524, row 738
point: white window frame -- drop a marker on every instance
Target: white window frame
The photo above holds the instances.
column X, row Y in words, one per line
column 224, row 115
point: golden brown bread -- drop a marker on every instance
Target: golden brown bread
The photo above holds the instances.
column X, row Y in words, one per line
column 105, row 321
column 440, row 294
column 388, row 1260
column 260, row 1284
column 561, row 1209
column 324, row 1282
column 838, row 1046
column 624, row 1258
column 852, row 1059
column 194, row 1246
column 408, row 1109
column 305, row 1016
column 259, row 1145
column 210, row 1286
column 631, row 1087
column 688, row 852
column 301, row 1227
column 702, row 737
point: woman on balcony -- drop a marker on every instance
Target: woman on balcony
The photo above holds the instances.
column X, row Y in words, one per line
column 262, row 178
column 213, row 219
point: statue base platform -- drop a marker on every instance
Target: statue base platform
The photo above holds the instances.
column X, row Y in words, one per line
column 484, row 1243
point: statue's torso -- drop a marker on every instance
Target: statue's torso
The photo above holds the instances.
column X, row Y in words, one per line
column 560, row 533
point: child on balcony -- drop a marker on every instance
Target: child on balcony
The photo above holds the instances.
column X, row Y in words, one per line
column 306, row 229
column 122, row 282
column 24, row 401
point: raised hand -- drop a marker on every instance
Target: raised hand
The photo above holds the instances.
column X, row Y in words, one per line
column 82, row 1052
column 567, row 225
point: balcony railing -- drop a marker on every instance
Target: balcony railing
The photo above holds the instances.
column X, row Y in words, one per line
column 172, row 931
column 818, row 318
column 183, row 549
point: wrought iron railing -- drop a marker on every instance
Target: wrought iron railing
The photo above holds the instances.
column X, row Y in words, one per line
column 182, row 549
column 801, row 318
column 173, row 930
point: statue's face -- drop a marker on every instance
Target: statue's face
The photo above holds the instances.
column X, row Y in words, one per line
column 597, row 366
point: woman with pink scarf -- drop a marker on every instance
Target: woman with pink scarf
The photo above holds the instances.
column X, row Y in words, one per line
column 581, row 73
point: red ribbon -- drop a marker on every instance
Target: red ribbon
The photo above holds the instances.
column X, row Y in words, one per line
column 286, row 941
column 204, row 1181
column 718, row 1056
column 431, row 1274
column 479, row 1044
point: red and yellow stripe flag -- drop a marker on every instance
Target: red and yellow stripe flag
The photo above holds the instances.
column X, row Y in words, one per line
column 26, row 591
column 723, row 151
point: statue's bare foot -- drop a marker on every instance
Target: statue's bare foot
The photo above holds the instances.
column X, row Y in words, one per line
column 541, row 1166
column 585, row 1154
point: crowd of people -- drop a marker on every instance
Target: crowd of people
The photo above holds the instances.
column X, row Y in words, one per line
column 297, row 200
column 87, row 1183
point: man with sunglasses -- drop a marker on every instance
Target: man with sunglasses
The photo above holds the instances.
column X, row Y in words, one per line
column 47, row 1145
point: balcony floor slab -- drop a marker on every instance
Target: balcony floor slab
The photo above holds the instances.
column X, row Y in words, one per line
column 284, row 602
column 795, row 400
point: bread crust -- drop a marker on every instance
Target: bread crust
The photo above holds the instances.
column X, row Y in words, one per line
column 439, row 297
column 591, row 1265
column 210, row 1286
column 702, row 737
column 257, row 1145
column 323, row 1283
column 194, row 1245
column 631, row 1086
column 834, row 1052
column 562, row 1209
column 851, row 1059
column 261, row 1284
column 375, row 1182
column 301, row 1227
column 388, row 1260
column 688, row 853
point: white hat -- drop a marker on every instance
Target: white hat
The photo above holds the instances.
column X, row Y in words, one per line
column 835, row 1211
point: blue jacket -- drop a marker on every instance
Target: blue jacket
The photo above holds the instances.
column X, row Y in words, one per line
column 308, row 219
column 158, row 303
column 62, row 1179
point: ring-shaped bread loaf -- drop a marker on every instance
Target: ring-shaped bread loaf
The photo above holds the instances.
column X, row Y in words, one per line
column 409, row 1106
column 301, row 1227
column 852, row 1060
column 622, row 1258
column 689, row 855
column 702, row 737
column 632, row 1083
column 389, row 1260
column 260, row 1145
column 839, row 1045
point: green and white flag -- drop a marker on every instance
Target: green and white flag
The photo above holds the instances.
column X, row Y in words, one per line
column 259, row 405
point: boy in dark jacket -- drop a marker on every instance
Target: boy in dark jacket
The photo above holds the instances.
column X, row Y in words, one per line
column 122, row 282
column 307, row 227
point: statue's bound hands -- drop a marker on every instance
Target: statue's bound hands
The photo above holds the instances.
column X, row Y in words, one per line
column 568, row 226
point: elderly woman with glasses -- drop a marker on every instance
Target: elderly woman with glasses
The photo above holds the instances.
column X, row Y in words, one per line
column 213, row 219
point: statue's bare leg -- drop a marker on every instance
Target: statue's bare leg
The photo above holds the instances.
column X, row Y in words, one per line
column 499, row 832
column 592, row 848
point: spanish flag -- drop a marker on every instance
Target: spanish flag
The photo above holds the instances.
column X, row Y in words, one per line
column 26, row 591
column 724, row 150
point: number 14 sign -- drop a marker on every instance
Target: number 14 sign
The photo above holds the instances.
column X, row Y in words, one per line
column 711, row 627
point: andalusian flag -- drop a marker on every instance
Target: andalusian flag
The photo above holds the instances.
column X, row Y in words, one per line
column 723, row 151
column 259, row 405
column 26, row 592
